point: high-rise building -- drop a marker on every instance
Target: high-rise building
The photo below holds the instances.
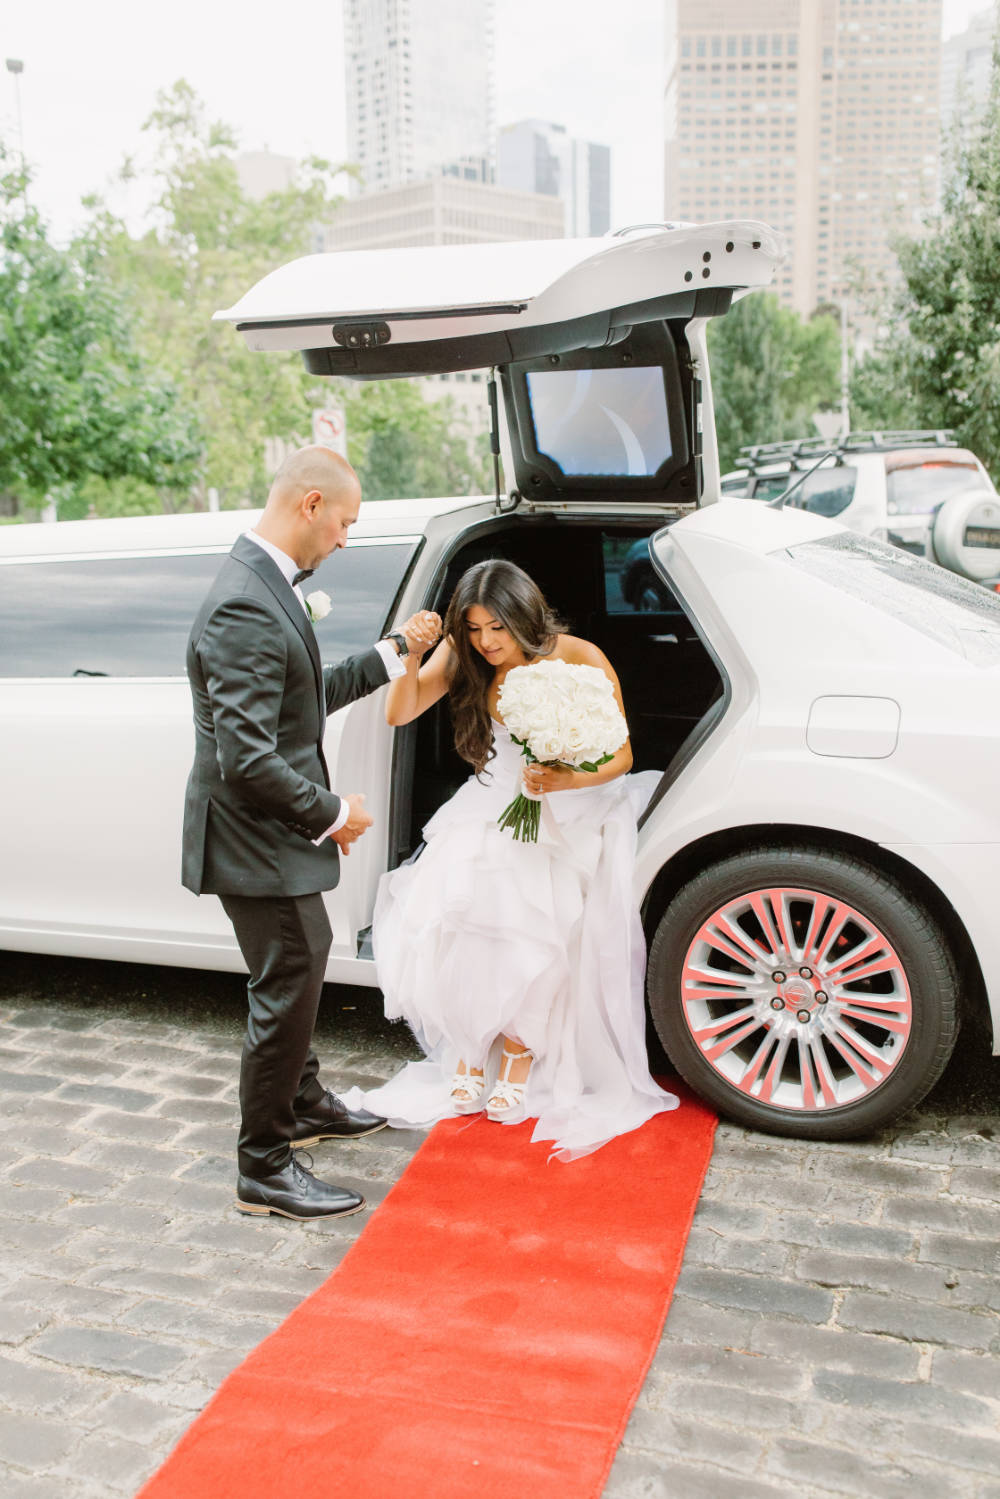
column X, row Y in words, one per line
column 537, row 156
column 441, row 211
column 818, row 116
column 966, row 65
column 420, row 97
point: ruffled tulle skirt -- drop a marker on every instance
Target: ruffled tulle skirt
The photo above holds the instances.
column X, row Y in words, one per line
column 481, row 936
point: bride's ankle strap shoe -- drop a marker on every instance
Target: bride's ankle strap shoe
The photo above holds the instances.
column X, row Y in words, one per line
column 507, row 1103
column 473, row 1085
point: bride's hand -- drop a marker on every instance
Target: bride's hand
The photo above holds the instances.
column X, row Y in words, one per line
column 541, row 779
column 422, row 630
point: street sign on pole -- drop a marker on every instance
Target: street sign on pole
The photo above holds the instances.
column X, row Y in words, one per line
column 330, row 429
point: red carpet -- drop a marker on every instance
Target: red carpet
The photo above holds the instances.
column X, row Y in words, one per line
column 485, row 1338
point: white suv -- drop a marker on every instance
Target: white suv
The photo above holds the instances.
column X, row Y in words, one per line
column 918, row 490
column 817, row 867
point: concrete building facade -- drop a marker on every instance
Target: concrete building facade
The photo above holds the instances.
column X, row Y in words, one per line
column 442, row 211
column 420, row 95
column 537, row 156
column 820, row 117
column 966, row 65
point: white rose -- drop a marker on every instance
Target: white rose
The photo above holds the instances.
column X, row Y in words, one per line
column 318, row 604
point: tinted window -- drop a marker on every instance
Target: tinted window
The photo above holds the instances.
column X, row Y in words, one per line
column 826, row 491
column 601, row 422
column 922, row 488
column 960, row 615
column 770, row 486
column 130, row 617
column 631, row 583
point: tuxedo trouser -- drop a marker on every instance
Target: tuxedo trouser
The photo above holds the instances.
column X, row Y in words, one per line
column 285, row 942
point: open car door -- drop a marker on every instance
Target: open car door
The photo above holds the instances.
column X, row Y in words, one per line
column 598, row 342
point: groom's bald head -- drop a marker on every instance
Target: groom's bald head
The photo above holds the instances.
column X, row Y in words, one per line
column 314, row 497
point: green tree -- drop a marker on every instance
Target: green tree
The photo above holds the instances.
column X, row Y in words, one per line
column 208, row 243
column 406, row 446
column 80, row 403
column 937, row 364
column 771, row 372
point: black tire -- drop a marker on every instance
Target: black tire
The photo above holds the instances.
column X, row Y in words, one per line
column 920, row 956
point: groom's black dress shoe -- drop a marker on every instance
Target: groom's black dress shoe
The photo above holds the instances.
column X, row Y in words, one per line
column 294, row 1192
column 331, row 1119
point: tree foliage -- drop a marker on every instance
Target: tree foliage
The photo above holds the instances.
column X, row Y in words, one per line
column 404, row 445
column 937, row 363
column 80, row 402
column 771, row 373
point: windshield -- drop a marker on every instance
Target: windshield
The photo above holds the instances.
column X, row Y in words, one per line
column 922, row 488
column 964, row 617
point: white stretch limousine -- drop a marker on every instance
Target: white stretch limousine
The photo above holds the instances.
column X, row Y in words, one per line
column 818, row 865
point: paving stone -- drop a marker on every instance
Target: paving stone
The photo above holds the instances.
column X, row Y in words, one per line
column 902, row 1399
column 120, row 1217
column 962, row 1449
column 692, row 1440
column 111, row 1124
column 189, row 1084
column 145, row 1282
column 219, row 1169
column 739, row 1367
column 33, row 1236
column 18, row 1323
column 116, row 1464
column 34, row 1442
column 39, row 1387
column 730, row 1218
column 79, row 1180
column 824, row 1268
column 32, row 1202
column 37, row 1486
column 835, row 1348
column 977, row 1373
column 187, row 1196
column 977, row 1292
column 136, row 1161
column 211, row 1137
column 90, row 1066
column 257, row 1302
column 48, row 1297
column 112, row 1352
column 758, row 1293
column 27, row 1082
column 917, row 1321
column 62, row 1020
column 834, row 1470
column 197, row 1325
column 131, row 1100
column 638, row 1475
column 138, row 1417
column 199, row 1111
column 961, row 1252
column 976, row 1181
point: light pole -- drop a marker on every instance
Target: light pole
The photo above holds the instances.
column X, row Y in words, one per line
column 845, row 372
column 16, row 67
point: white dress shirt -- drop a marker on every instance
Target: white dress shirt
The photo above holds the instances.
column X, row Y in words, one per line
column 393, row 664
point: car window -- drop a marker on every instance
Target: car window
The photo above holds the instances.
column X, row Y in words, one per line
column 921, row 489
column 769, row 486
column 601, row 421
column 130, row 617
column 826, row 491
column 631, row 583
column 958, row 614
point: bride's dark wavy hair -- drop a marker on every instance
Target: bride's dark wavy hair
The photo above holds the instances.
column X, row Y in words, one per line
column 519, row 604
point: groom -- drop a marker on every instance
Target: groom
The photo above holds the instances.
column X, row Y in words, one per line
column 262, row 828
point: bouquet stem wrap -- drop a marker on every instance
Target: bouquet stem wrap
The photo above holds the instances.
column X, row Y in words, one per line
column 564, row 716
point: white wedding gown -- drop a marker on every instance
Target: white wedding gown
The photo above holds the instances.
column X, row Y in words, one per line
column 482, row 935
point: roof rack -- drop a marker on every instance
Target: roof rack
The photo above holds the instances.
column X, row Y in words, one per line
column 800, row 450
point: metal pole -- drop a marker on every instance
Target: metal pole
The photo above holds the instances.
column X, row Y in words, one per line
column 16, row 67
column 845, row 404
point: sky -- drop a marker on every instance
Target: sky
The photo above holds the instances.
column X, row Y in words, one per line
column 275, row 73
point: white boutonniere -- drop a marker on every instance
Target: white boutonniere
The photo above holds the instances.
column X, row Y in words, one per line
column 318, row 604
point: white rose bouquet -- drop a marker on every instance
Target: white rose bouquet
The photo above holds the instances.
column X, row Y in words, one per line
column 562, row 715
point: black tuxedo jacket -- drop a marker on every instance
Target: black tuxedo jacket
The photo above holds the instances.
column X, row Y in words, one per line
column 259, row 790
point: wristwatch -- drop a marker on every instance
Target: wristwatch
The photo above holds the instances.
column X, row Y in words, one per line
column 402, row 645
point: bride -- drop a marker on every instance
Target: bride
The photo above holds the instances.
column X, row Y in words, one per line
column 518, row 966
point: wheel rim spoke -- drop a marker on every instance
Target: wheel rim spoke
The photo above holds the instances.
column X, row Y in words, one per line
column 796, row 999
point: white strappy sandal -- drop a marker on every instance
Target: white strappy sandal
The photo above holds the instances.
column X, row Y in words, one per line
column 473, row 1085
column 506, row 1103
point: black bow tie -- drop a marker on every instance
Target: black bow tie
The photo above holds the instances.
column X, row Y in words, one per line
column 302, row 575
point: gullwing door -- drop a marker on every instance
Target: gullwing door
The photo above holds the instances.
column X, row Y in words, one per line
column 589, row 335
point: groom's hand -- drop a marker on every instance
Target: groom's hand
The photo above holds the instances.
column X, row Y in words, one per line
column 422, row 630
column 358, row 822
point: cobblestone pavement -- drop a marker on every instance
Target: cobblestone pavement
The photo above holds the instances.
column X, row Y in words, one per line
column 835, row 1329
